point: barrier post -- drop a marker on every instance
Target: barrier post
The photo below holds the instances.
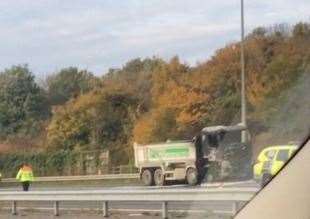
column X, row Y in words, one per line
column 14, row 208
column 56, row 208
column 165, row 210
column 105, row 209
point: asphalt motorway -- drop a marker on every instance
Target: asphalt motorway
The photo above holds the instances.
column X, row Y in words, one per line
column 76, row 186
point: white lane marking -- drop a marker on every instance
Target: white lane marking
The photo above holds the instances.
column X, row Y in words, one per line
column 219, row 184
column 135, row 215
column 222, row 212
column 156, row 210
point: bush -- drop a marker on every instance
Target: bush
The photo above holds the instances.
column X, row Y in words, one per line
column 43, row 163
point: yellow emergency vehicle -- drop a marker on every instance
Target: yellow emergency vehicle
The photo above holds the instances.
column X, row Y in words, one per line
column 270, row 160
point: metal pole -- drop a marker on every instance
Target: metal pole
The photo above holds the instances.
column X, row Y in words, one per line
column 14, row 208
column 243, row 98
column 165, row 210
column 105, row 209
column 56, row 208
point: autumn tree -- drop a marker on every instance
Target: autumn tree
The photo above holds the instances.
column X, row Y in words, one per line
column 100, row 119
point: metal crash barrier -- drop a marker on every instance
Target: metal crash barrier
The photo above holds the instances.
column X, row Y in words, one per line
column 233, row 195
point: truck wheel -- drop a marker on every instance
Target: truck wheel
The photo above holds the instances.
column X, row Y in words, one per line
column 192, row 176
column 159, row 177
column 147, row 177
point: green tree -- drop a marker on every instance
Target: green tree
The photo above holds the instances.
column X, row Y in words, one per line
column 68, row 83
column 23, row 104
column 302, row 30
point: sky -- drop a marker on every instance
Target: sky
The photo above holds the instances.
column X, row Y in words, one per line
column 100, row 34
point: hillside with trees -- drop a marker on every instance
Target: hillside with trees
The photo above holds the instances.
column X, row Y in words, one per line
column 152, row 100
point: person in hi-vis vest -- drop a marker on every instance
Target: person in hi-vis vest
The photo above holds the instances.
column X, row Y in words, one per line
column 25, row 176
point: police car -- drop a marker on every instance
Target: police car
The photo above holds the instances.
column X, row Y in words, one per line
column 270, row 160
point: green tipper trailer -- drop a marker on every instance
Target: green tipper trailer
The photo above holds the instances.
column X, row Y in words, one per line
column 181, row 160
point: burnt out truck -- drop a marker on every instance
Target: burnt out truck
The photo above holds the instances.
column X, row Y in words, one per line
column 191, row 160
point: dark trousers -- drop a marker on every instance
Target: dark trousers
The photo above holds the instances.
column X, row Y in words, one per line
column 26, row 185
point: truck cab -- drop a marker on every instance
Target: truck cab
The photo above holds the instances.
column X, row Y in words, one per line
column 221, row 152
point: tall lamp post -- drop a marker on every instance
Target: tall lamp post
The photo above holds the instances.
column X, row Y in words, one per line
column 243, row 99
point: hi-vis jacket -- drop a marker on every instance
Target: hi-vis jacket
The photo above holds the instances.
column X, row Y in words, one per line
column 25, row 174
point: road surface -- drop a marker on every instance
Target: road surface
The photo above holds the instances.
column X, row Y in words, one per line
column 76, row 186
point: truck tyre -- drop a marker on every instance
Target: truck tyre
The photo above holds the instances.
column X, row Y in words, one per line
column 147, row 177
column 159, row 177
column 192, row 176
column 265, row 179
